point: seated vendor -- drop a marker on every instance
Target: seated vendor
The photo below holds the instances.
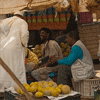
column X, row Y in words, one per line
column 78, row 51
column 50, row 48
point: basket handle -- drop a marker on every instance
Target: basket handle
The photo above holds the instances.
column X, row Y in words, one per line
column 15, row 79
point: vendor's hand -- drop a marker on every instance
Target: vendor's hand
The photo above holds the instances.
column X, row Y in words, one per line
column 40, row 59
column 53, row 59
column 39, row 63
column 58, row 59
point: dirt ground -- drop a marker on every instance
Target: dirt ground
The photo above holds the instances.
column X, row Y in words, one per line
column 97, row 66
column 96, row 63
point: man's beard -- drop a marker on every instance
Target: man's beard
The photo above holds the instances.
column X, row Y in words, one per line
column 43, row 40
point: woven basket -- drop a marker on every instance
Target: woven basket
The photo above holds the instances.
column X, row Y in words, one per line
column 89, row 36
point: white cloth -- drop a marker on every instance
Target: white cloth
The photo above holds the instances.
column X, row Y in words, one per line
column 86, row 55
column 13, row 40
column 3, row 16
column 19, row 13
column 87, row 59
column 63, row 96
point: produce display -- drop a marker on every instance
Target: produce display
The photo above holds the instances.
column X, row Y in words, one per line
column 38, row 50
column 65, row 49
column 32, row 57
column 41, row 88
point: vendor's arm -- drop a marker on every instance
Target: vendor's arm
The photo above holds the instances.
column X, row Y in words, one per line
column 76, row 52
column 24, row 34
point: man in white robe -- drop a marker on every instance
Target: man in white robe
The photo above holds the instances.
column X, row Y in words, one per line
column 14, row 36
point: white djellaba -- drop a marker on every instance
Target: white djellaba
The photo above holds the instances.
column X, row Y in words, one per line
column 14, row 37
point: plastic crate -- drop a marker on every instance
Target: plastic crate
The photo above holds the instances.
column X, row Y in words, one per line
column 86, row 87
column 10, row 96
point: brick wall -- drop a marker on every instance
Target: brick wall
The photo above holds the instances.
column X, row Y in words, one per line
column 89, row 36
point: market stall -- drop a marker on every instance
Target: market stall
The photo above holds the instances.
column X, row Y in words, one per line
column 52, row 20
column 28, row 5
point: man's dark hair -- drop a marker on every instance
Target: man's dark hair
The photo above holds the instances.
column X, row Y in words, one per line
column 74, row 35
column 47, row 30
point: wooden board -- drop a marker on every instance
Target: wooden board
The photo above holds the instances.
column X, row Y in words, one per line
column 87, row 99
column 34, row 98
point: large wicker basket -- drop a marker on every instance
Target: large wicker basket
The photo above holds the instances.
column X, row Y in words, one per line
column 89, row 36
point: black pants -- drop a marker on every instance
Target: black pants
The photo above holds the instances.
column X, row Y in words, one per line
column 64, row 75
